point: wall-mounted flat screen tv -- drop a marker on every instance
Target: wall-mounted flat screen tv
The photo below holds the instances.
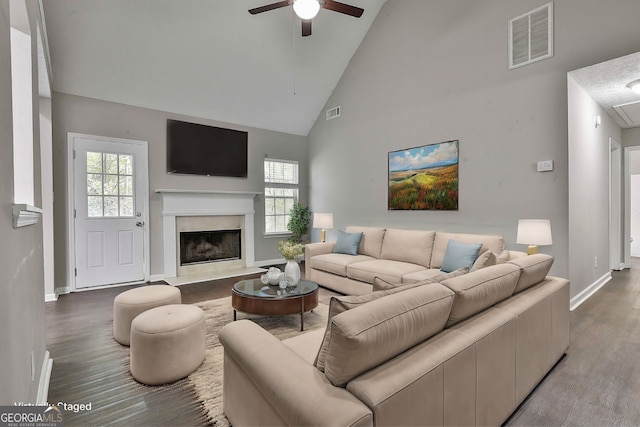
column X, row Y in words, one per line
column 205, row 150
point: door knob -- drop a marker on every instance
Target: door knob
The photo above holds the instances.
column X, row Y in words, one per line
column 140, row 223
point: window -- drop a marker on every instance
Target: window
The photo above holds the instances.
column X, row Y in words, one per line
column 280, row 194
column 109, row 185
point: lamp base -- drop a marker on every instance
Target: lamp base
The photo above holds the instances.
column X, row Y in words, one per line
column 532, row 249
column 323, row 235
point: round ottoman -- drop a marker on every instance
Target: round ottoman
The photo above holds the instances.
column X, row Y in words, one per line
column 167, row 343
column 128, row 304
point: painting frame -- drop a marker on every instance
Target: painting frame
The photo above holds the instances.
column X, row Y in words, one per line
column 424, row 177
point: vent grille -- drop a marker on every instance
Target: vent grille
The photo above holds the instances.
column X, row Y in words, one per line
column 333, row 113
column 531, row 37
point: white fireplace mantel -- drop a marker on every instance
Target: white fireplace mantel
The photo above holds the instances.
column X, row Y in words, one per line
column 177, row 203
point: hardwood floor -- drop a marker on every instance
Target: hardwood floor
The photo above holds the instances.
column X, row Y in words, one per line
column 88, row 364
column 597, row 383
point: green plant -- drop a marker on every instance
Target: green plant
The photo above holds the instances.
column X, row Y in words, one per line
column 290, row 249
column 299, row 221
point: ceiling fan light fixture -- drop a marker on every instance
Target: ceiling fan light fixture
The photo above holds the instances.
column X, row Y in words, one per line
column 634, row 86
column 306, row 9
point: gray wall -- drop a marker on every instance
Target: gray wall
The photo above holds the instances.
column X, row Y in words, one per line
column 22, row 331
column 434, row 71
column 90, row 116
column 589, row 169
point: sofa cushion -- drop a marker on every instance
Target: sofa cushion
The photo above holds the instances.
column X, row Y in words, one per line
column 347, row 243
column 381, row 284
column 412, row 246
column 371, row 242
column 336, row 263
column 367, row 336
column 339, row 305
column 459, row 255
column 534, row 269
column 487, row 259
column 391, row 271
column 481, row 289
column 491, row 243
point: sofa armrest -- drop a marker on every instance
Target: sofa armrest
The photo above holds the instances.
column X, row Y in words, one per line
column 516, row 254
column 259, row 367
column 313, row 249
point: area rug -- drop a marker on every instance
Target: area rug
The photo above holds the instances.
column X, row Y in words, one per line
column 207, row 379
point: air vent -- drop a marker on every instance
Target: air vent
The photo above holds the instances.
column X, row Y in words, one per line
column 531, row 37
column 333, row 113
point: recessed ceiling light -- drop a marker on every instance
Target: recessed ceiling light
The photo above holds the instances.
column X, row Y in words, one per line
column 634, row 86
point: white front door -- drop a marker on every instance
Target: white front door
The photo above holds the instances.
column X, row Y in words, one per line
column 109, row 210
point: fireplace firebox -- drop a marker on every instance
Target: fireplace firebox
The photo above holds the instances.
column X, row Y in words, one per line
column 197, row 247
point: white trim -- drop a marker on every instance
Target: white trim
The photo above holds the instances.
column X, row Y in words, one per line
column 71, row 245
column 616, row 226
column 156, row 277
column 50, row 297
column 24, row 215
column 270, row 262
column 45, row 379
column 589, row 291
column 177, row 203
column 627, row 205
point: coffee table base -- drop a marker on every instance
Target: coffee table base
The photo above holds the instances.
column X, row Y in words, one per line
column 274, row 307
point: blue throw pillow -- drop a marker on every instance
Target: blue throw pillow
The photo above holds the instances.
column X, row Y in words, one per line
column 459, row 255
column 347, row 243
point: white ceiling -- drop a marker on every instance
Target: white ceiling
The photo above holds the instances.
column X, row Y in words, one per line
column 607, row 83
column 204, row 58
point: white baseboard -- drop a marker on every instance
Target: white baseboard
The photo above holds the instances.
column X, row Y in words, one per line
column 50, row 297
column 63, row 291
column 270, row 262
column 590, row 290
column 45, row 378
column 156, row 277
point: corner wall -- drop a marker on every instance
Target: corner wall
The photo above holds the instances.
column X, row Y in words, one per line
column 22, row 330
column 434, row 71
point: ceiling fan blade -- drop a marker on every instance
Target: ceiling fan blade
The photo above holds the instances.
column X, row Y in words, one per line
column 269, row 7
column 306, row 27
column 347, row 9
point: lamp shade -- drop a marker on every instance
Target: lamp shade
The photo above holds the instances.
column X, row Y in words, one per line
column 534, row 232
column 323, row 220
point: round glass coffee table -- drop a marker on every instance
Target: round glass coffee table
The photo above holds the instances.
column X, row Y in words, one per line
column 254, row 297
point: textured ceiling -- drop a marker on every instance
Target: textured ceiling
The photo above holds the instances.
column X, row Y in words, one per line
column 607, row 84
column 204, row 58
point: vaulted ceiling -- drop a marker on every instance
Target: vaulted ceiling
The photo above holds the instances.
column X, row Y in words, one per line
column 204, row 58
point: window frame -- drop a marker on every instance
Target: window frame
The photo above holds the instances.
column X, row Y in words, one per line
column 268, row 185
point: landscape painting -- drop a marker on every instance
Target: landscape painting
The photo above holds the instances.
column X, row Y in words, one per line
column 424, row 178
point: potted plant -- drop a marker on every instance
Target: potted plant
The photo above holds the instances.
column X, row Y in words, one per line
column 291, row 250
column 299, row 221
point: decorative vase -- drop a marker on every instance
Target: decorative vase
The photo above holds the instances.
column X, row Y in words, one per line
column 292, row 272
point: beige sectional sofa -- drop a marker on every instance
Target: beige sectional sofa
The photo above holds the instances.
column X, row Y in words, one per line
column 397, row 256
column 466, row 351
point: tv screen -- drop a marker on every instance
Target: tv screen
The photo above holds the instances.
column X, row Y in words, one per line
column 205, row 150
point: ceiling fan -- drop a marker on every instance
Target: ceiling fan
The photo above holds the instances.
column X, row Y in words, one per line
column 308, row 9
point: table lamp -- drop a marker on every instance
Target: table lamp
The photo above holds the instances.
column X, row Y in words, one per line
column 534, row 232
column 323, row 221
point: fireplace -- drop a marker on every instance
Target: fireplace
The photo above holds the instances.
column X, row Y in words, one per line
column 196, row 210
column 198, row 247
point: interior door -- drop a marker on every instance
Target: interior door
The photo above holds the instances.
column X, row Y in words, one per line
column 109, row 201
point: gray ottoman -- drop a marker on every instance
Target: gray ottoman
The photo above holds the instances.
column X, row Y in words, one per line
column 128, row 304
column 167, row 343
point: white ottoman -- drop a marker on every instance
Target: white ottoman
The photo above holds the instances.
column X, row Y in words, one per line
column 167, row 343
column 128, row 304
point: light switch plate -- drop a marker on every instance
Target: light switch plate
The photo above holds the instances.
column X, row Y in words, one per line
column 545, row 166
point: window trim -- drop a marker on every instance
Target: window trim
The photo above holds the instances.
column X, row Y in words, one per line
column 269, row 184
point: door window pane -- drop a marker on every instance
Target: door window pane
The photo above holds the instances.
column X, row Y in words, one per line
column 110, row 190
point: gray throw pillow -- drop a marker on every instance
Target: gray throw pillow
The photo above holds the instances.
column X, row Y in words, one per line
column 347, row 243
column 459, row 255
